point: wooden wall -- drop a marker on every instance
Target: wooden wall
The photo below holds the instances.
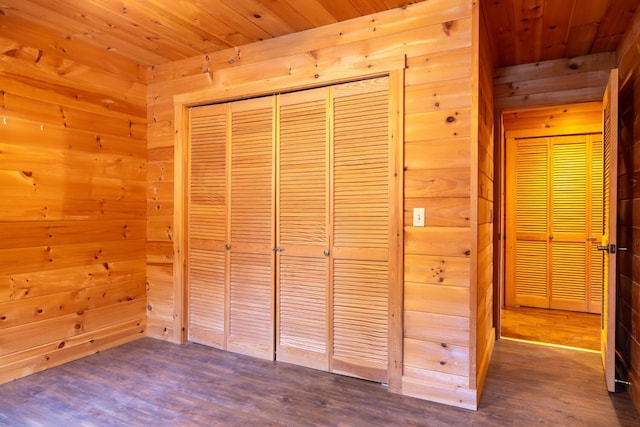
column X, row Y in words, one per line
column 555, row 82
column 435, row 39
column 72, row 199
column 484, row 304
column 628, row 303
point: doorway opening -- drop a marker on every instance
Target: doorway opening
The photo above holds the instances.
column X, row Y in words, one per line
column 552, row 201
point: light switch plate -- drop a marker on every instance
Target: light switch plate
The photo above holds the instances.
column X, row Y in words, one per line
column 418, row 217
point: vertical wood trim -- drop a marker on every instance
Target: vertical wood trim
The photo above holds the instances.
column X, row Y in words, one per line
column 330, row 235
column 396, row 226
column 474, row 194
column 181, row 153
column 275, row 207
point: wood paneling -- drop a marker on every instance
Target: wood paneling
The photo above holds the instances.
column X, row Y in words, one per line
column 158, row 32
column 482, row 285
column 553, row 82
column 72, row 191
column 435, row 37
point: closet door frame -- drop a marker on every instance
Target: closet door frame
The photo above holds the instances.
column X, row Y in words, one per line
column 394, row 69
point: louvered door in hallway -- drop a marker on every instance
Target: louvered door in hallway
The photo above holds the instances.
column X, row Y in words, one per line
column 288, row 253
column 554, row 222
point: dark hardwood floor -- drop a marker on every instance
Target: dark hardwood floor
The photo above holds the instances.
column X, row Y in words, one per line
column 559, row 327
column 153, row 383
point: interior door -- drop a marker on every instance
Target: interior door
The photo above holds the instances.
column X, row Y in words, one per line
column 360, row 240
column 528, row 237
column 554, row 220
column 302, row 245
column 610, row 199
column 251, row 210
column 207, row 225
column 574, row 235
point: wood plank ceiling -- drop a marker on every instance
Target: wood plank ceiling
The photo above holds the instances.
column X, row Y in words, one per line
column 153, row 32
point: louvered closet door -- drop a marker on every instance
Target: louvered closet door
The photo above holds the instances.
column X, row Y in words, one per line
column 572, row 243
column 527, row 269
column 251, row 285
column 555, row 215
column 303, row 203
column 360, row 250
column 207, row 225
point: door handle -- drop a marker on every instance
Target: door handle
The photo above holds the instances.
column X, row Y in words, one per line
column 326, row 252
column 612, row 248
column 591, row 239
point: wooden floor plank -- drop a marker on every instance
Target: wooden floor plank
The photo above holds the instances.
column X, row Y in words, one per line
column 151, row 382
column 560, row 327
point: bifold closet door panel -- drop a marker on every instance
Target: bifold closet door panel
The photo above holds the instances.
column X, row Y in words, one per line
column 251, row 284
column 577, row 223
column 302, row 231
column 528, row 223
column 360, row 250
column 207, row 225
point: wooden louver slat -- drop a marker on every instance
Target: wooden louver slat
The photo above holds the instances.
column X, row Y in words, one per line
column 303, row 174
column 360, row 316
column 568, row 273
column 251, row 176
column 250, row 305
column 569, row 183
column 531, row 271
column 531, row 187
column 361, row 170
column 206, row 297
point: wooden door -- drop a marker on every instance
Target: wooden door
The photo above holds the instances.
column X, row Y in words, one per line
column 610, row 204
column 360, row 240
column 576, row 194
column 207, row 226
column 554, row 195
column 527, row 249
column 303, row 230
column 251, row 213
column 298, row 229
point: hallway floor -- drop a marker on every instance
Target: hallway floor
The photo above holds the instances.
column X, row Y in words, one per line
column 559, row 327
